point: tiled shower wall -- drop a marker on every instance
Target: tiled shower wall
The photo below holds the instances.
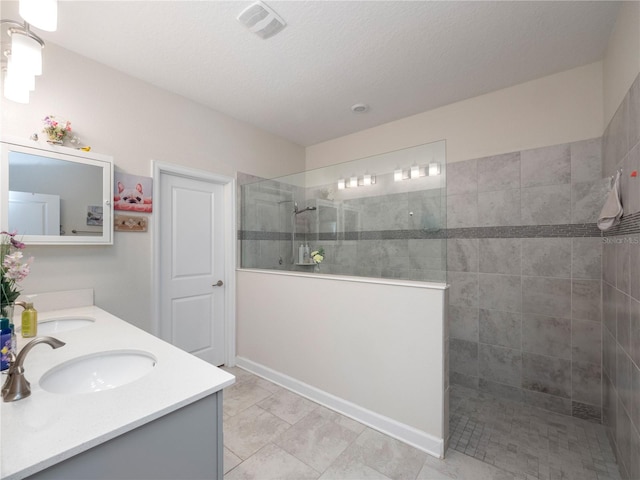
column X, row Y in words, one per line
column 621, row 289
column 524, row 264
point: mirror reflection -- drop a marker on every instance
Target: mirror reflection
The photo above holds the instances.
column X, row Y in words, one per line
column 48, row 196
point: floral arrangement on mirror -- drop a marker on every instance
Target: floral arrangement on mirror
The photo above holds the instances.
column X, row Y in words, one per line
column 13, row 270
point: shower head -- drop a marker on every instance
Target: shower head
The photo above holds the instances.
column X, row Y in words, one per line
column 296, row 211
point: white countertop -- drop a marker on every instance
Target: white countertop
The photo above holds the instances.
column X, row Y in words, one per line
column 47, row 428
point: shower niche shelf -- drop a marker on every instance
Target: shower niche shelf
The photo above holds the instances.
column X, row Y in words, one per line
column 305, row 264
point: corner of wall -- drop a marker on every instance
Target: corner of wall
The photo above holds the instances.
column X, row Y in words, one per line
column 621, row 63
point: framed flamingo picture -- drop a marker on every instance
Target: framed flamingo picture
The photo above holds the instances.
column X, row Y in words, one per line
column 132, row 193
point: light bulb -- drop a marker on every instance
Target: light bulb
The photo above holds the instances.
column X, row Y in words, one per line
column 42, row 14
column 26, row 54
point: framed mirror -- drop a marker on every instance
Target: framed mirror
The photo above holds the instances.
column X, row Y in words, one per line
column 53, row 195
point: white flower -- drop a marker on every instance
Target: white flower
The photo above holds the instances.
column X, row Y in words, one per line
column 317, row 258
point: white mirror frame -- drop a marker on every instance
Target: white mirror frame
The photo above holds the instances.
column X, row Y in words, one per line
column 9, row 144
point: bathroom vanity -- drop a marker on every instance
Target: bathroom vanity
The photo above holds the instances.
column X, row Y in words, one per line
column 164, row 424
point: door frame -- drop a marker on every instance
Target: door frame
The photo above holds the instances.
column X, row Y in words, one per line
column 230, row 242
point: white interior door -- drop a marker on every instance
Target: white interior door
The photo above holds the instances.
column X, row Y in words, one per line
column 34, row 213
column 192, row 266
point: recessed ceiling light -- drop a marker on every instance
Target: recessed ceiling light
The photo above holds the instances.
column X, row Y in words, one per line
column 360, row 108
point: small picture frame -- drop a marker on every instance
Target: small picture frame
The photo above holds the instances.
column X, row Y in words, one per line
column 94, row 215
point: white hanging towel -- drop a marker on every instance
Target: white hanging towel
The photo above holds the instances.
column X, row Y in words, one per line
column 612, row 210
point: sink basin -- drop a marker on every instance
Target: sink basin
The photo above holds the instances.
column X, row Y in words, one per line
column 62, row 324
column 98, row 371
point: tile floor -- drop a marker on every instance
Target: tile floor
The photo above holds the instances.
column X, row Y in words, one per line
column 524, row 440
column 272, row 433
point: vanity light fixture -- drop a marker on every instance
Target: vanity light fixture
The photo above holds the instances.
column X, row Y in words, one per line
column 22, row 61
column 434, row 169
column 415, row 171
column 397, row 175
column 355, row 181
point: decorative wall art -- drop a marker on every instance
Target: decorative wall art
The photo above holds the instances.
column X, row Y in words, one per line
column 130, row 223
column 132, row 193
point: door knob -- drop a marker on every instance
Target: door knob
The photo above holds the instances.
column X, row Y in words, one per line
column 218, row 284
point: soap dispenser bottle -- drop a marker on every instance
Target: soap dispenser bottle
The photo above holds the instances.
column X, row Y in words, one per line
column 307, row 257
column 29, row 321
column 301, row 254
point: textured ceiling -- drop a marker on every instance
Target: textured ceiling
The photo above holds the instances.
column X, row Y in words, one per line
column 400, row 57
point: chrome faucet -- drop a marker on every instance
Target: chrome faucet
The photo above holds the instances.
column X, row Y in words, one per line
column 17, row 386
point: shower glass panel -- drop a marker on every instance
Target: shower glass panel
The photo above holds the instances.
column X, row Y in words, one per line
column 382, row 216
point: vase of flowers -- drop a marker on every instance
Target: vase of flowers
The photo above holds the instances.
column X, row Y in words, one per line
column 56, row 130
column 13, row 270
column 317, row 256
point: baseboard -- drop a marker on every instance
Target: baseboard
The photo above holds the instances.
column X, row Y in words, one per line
column 416, row 438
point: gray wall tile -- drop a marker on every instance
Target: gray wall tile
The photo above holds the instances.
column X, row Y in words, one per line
column 499, row 208
column 586, row 160
column 462, row 254
column 546, row 335
column 462, row 177
column 500, row 255
column 498, row 364
column 628, row 184
column 635, row 396
column 609, row 307
column 548, row 402
column 585, row 300
column 499, row 292
column 546, row 296
column 609, row 355
column 513, row 393
column 622, row 265
column 546, row 166
column 586, row 383
column 462, row 210
column 463, row 323
column 586, row 258
column 546, row 257
column 546, row 374
column 499, row 172
column 634, row 271
column 463, row 357
column 463, row 290
column 623, row 320
column 587, row 200
column 548, row 205
column 634, row 310
column 609, row 261
column 500, row 328
column 468, row 381
column 586, row 341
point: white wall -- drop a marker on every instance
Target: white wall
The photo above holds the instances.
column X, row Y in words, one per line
column 560, row 108
column 621, row 63
column 134, row 122
column 373, row 349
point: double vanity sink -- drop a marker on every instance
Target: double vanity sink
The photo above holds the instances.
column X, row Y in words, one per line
column 113, row 402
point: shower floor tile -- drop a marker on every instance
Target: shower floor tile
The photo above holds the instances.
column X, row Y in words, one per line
column 525, row 440
column 270, row 433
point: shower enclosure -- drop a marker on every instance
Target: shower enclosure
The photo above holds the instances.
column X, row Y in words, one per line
column 382, row 216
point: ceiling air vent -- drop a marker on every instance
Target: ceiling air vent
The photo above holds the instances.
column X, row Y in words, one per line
column 261, row 20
